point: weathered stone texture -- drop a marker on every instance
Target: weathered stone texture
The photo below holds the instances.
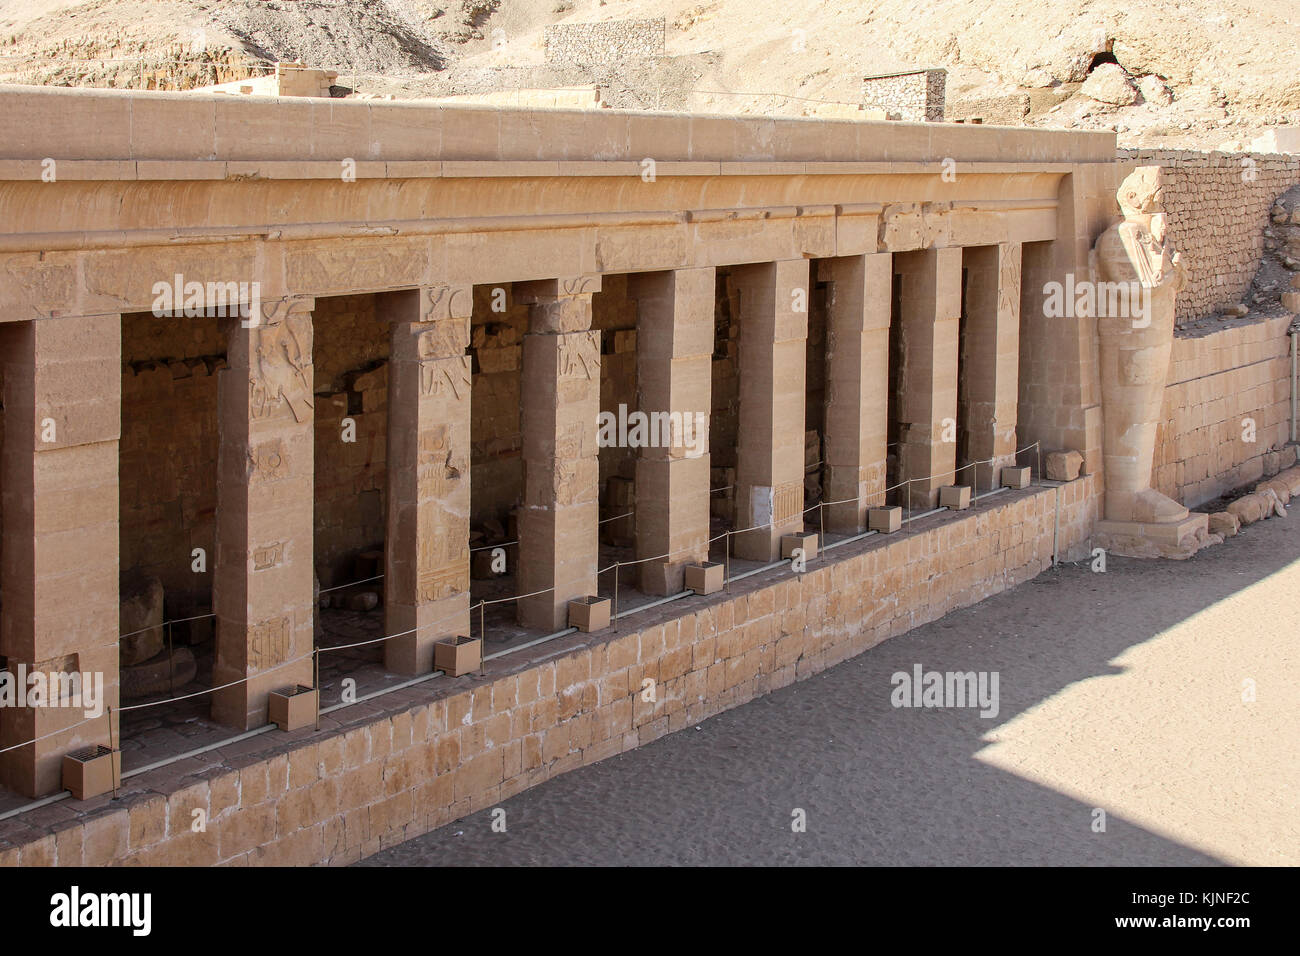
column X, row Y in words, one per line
column 1218, row 205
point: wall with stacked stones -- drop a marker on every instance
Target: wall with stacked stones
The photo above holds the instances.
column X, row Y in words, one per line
column 1218, row 206
column 606, row 41
column 1227, row 411
column 916, row 97
column 168, row 453
column 400, row 765
column 349, row 356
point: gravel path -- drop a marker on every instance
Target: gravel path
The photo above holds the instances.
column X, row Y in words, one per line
column 1119, row 691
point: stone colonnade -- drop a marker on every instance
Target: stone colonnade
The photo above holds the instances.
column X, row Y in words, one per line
column 60, row 559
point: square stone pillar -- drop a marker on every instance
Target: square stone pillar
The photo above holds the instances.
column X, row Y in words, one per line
column 262, row 586
column 674, row 369
column 990, row 351
column 929, row 317
column 773, row 315
column 857, row 386
column 560, row 397
column 426, row 571
column 59, row 557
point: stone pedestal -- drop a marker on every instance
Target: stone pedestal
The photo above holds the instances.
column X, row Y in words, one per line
column 59, row 555
column 930, row 311
column 769, row 456
column 1139, row 539
column 857, row 384
column 262, row 586
column 426, row 582
column 560, row 391
column 674, row 370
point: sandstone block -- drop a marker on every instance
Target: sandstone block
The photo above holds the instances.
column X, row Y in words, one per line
column 885, row 520
column 1224, row 523
column 1015, row 477
column 1249, row 508
column 1063, row 465
column 954, row 497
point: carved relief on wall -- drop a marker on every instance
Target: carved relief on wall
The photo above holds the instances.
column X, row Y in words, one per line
column 787, row 501
column 268, row 556
column 1009, row 273
column 268, row 644
column 447, row 378
column 578, row 356
column 280, row 365
column 267, row 461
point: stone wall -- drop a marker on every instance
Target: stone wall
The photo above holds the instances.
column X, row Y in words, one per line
column 1216, row 381
column 1009, row 110
column 350, row 354
column 916, row 97
column 167, row 470
column 388, row 770
column 1218, row 205
column 606, row 41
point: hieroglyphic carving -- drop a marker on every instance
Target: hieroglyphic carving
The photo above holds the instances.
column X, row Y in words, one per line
column 443, row 378
column 580, row 285
column 1009, row 271
column 280, row 364
column 268, row 556
column 578, row 356
column 447, row 302
column 268, row 643
column 787, row 501
column 444, row 581
column 267, row 462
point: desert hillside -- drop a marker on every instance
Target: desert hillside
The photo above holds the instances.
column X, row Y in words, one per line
column 1186, row 74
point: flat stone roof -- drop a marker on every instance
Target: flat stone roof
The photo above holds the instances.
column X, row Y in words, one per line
column 117, row 125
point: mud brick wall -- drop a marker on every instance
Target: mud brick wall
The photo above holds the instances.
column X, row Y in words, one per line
column 1008, row 110
column 916, row 97
column 1217, row 214
column 605, row 42
column 350, row 352
column 388, row 770
column 1216, row 381
column 496, row 465
column 167, row 468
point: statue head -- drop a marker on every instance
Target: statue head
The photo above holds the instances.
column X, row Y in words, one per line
column 1142, row 192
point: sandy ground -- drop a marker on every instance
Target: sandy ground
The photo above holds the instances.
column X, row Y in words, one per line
column 1121, row 691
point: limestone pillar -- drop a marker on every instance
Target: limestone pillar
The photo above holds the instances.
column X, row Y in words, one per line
column 59, row 558
column 857, row 385
column 426, row 572
column 674, row 378
column 262, row 586
column 773, row 315
column 560, row 397
column 990, row 359
column 929, row 316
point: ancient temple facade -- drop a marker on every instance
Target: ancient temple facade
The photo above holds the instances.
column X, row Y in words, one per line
column 231, row 268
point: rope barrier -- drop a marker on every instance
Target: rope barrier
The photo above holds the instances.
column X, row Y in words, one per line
column 482, row 603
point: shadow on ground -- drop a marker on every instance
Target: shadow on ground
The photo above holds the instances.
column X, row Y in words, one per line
column 879, row 785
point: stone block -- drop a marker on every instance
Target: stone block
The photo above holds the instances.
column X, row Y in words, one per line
column 954, row 497
column 885, row 520
column 1015, row 477
column 807, row 543
column 1063, row 465
column 293, row 707
column 590, row 613
column 705, row 578
column 455, row 656
column 1224, row 523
